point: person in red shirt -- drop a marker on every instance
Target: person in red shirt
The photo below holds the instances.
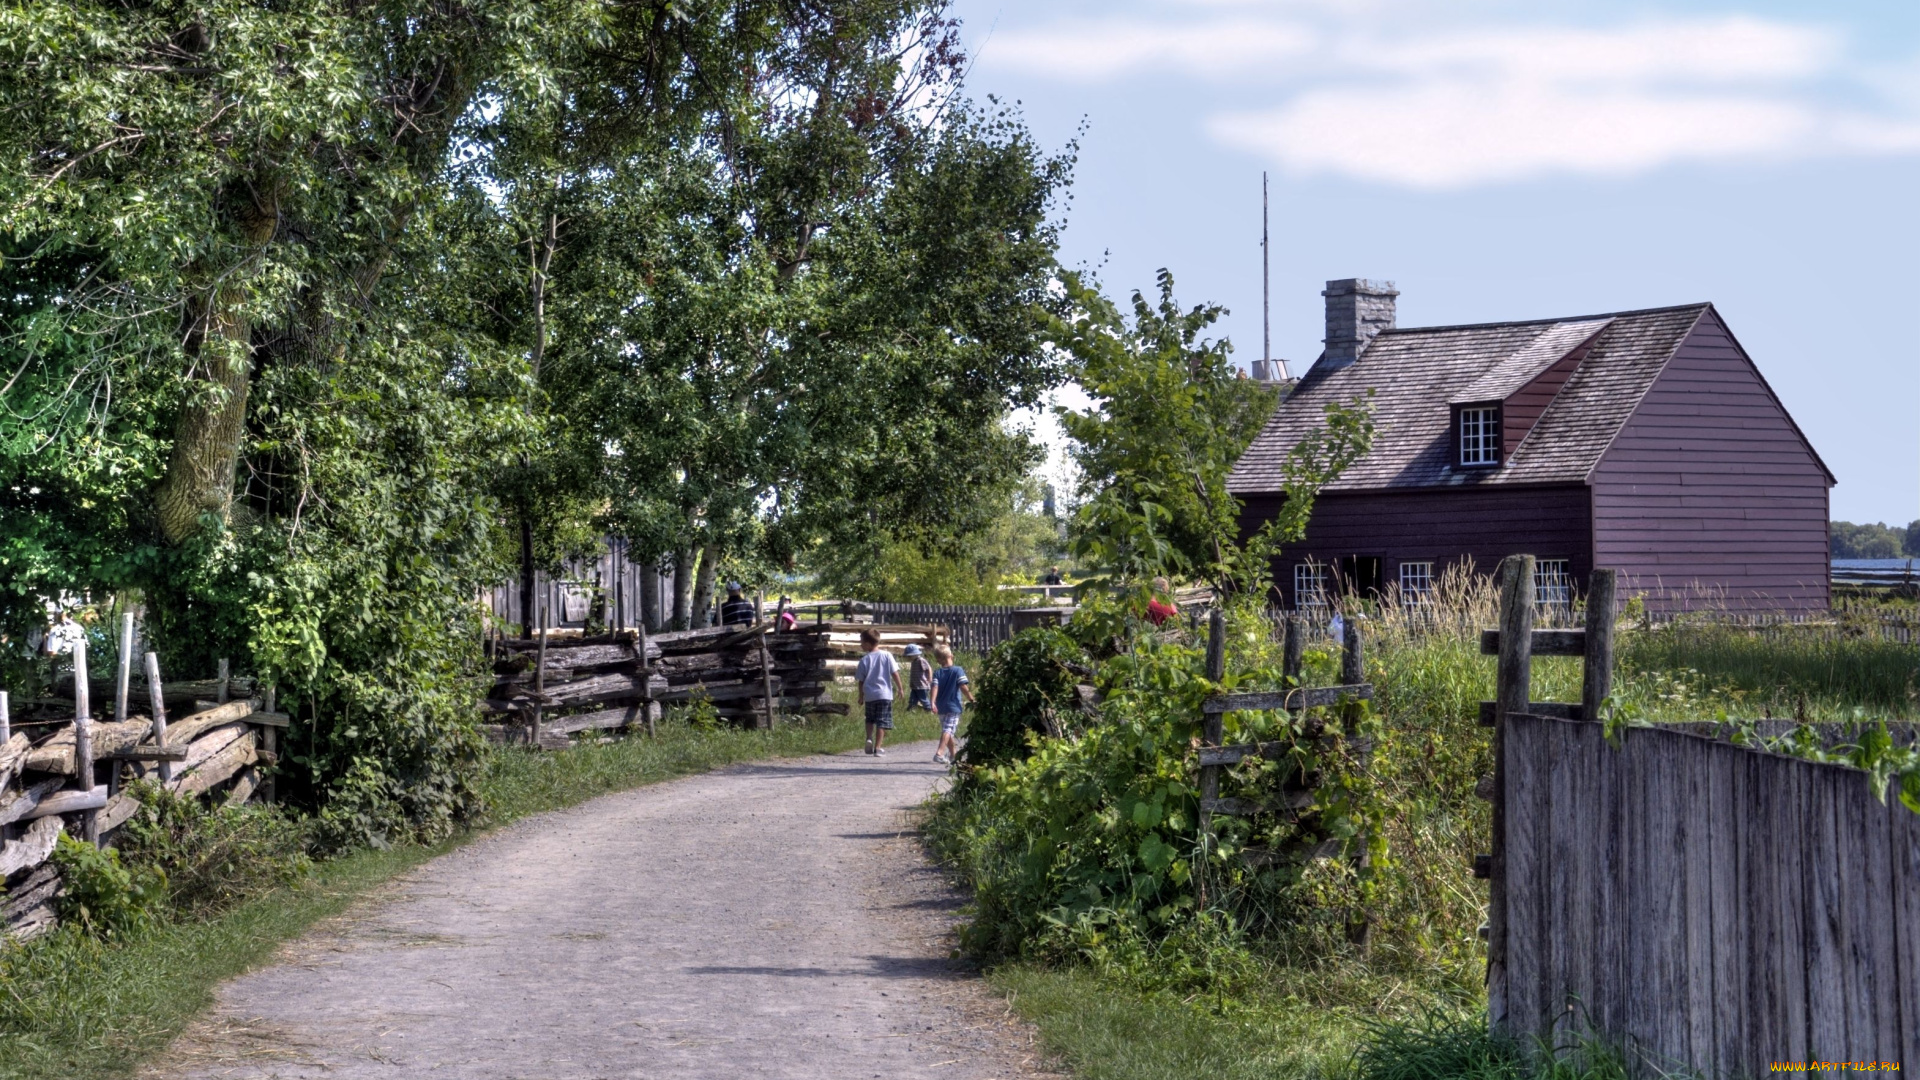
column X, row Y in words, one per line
column 1159, row 610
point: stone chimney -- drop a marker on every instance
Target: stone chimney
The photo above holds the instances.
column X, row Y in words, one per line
column 1357, row 309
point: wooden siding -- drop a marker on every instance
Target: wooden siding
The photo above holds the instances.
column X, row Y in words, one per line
column 1709, row 495
column 1442, row 526
column 1524, row 406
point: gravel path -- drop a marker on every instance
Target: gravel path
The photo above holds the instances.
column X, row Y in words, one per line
column 768, row 920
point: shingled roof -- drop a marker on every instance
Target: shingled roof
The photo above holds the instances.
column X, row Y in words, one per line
column 1417, row 374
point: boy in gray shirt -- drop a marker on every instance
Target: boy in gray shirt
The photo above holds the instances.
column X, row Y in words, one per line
column 878, row 676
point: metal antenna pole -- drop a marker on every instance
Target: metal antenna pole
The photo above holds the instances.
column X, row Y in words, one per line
column 1266, row 286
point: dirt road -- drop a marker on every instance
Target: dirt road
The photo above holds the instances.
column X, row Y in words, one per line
column 768, row 920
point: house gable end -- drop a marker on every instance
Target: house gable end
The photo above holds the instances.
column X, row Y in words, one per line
column 1710, row 494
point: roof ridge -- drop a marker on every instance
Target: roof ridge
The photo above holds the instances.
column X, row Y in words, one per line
column 1546, row 322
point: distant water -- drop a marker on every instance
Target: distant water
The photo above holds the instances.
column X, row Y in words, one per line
column 1875, row 564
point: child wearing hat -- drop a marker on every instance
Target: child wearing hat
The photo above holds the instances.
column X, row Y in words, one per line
column 919, row 679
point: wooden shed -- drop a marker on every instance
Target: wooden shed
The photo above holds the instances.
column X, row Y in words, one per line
column 1645, row 441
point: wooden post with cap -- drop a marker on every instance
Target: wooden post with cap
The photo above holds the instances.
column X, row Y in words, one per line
column 1513, row 684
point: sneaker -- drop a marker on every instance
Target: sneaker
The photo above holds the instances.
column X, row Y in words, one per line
column 881, row 751
column 938, row 760
column 869, row 746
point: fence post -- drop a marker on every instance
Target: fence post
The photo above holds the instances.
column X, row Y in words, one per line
column 1353, row 669
column 766, row 680
column 6, row 719
column 1597, row 680
column 539, row 679
column 159, row 704
column 1512, row 685
column 126, row 669
column 1296, row 649
column 83, row 738
column 1212, row 729
column 646, row 673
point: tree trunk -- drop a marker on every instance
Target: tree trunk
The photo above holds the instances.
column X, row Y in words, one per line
column 650, row 597
column 703, row 587
column 212, row 421
column 682, row 587
column 527, row 613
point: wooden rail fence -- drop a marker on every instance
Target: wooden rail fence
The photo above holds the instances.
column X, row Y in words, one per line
column 1705, row 906
column 63, row 771
column 554, row 685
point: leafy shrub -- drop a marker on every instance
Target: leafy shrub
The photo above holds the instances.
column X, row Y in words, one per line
column 103, row 896
column 1025, row 687
column 214, row 857
column 1091, row 839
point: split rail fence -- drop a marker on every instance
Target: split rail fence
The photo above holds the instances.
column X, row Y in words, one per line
column 556, row 684
column 1704, row 905
column 62, row 771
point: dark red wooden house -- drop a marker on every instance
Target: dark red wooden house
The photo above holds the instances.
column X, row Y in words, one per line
column 1645, row 441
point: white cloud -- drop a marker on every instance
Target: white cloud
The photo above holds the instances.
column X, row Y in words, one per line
column 1093, row 51
column 1392, row 98
column 1452, row 134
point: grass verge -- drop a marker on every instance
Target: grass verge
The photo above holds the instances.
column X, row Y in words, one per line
column 77, row 1008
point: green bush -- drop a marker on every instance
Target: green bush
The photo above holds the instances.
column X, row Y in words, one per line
column 1089, row 838
column 213, row 858
column 1025, row 688
column 103, row 896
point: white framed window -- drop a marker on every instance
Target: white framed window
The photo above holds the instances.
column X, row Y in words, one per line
column 1416, row 582
column 1553, row 583
column 1480, row 436
column 1309, row 585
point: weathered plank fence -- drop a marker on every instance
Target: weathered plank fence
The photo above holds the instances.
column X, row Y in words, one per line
column 69, row 776
column 1706, row 906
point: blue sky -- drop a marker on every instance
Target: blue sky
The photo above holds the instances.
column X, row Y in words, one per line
column 1507, row 161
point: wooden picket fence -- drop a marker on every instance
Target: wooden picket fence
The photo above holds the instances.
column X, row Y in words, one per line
column 973, row 628
column 1705, row 906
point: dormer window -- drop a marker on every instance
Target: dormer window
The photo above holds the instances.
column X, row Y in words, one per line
column 1479, row 435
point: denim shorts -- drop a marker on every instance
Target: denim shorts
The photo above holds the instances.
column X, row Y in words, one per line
column 949, row 723
column 880, row 714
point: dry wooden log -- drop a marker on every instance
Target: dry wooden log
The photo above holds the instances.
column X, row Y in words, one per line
column 716, row 693
column 18, row 805
column 69, row 802
column 183, row 731
column 211, row 744
column 118, row 811
column 32, row 924
column 244, row 786
column 56, row 754
column 561, row 654
column 215, row 770
column 583, row 692
column 604, row 718
column 12, row 753
column 39, row 887
column 31, row 848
